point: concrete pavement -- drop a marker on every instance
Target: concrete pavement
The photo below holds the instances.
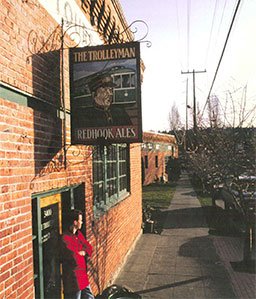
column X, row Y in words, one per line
column 185, row 261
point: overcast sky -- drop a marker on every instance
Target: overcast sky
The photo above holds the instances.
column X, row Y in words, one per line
column 187, row 35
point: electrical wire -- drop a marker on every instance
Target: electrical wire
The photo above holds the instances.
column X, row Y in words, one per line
column 222, row 54
column 218, row 32
column 210, row 38
column 222, row 17
column 188, row 31
column 178, row 29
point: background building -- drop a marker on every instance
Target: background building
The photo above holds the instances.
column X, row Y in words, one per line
column 157, row 150
column 43, row 176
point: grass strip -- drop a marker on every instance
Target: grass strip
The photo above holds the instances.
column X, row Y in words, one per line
column 158, row 195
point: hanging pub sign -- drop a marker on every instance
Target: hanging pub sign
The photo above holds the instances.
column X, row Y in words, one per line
column 105, row 94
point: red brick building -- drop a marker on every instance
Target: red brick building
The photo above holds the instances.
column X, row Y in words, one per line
column 157, row 148
column 43, row 176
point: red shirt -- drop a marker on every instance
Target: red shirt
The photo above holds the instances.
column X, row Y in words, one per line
column 74, row 265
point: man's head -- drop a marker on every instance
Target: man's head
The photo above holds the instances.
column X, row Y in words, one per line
column 76, row 219
column 102, row 91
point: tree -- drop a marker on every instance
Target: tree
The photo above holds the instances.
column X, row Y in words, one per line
column 225, row 144
column 214, row 112
column 174, row 118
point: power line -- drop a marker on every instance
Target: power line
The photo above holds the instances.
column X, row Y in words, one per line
column 178, row 29
column 222, row 54
column 223, row 11
column 210, row 38
column 188, row 31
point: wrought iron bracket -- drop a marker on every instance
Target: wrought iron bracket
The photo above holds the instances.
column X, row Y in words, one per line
column 57, row 41
column 78, row 35
column 134, row 28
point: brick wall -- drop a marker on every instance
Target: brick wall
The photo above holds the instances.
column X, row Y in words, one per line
column 16, row 166
column 21, row 35
column 30, row 151
column 32, row 157
column 153, row 173
column 115, row 233
column 161, row 146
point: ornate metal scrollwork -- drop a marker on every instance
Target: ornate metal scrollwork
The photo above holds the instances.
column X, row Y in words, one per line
column 134, row 28
column 58, row 41
column 38, row 44
column 64, row 159
column 78, row 35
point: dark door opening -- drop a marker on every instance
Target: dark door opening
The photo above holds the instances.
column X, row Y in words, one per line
column 49, row 212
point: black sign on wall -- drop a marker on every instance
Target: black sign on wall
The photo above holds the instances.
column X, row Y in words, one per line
column 50, row 243
column 105, row 94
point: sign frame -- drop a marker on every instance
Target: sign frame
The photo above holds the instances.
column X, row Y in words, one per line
column 97, row 119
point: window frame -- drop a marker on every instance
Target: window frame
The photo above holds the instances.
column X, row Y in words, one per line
column 107, row 165
column 146, row 161
column 156, row 161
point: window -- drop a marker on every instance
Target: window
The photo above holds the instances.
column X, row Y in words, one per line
column 124, row 91
column 156, row 161
column 110, row 175
column 124, row 80
column 146, row 161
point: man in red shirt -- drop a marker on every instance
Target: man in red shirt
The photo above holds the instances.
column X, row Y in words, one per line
column 74, row 250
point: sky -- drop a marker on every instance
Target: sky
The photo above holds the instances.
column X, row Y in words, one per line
column 189, row 35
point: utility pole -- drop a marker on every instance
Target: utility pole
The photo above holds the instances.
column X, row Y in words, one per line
column 186, row 129
column 194, row 95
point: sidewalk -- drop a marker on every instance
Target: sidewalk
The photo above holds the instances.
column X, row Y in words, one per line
column 185, row 261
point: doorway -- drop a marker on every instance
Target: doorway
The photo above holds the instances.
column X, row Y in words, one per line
column 49, row 212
